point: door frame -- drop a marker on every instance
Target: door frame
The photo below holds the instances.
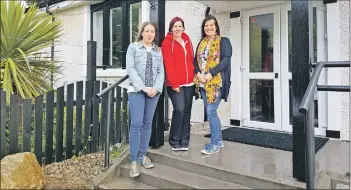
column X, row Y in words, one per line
column 275, row 10
column 286, row 75
column 282, row 118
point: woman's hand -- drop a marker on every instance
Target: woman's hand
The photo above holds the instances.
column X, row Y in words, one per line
column 147, row 90
column 208, row 76
column 152, row 93
column 201, row 78
column 176, row 89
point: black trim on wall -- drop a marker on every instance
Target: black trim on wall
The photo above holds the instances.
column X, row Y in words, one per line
column 235, row 122
column 333, row 134
column 235, row 14
column 329, row 1
column 42, row 3
column 126, row 31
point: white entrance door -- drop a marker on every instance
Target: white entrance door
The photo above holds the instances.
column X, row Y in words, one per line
column 266, row 51
column 261, row 68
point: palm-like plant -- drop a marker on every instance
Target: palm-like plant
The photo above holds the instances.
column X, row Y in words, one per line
column 24, row 36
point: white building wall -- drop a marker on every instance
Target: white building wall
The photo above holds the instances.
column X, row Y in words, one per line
column 72, row 45
column 338, row 50
column 344, row 8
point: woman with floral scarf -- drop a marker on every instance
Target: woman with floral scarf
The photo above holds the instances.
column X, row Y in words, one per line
column 212, row 67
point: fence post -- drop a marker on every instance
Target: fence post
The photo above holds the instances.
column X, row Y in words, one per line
column 107, row 142
column 91, row 76
column 91, row 63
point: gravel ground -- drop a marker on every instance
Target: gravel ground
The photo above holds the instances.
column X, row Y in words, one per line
column 75, row 173
column 78, row 172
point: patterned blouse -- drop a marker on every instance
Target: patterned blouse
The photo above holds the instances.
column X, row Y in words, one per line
column 204, row 62
column 148, row 71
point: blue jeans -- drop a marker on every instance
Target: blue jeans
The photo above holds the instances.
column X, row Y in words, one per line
column 142, row 109
column 215, row 123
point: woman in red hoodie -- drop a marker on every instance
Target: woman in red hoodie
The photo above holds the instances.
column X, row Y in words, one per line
column 178, row 56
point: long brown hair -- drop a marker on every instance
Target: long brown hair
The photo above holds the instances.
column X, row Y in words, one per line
column 140, row 37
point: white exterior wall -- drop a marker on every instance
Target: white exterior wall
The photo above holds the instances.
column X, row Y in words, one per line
column 344, row 7
column 338, row 50
column 72, row 46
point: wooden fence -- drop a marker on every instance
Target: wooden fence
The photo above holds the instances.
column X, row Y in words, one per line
column 64, row 122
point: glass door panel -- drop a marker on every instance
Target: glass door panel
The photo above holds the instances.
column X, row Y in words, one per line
column 261, row 68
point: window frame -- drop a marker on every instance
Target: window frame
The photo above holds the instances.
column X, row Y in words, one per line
column 105, row 7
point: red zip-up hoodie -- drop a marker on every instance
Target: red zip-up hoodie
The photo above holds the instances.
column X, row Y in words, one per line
column 178, row 64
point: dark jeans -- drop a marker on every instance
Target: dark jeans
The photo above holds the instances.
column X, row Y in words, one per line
column 180, row 126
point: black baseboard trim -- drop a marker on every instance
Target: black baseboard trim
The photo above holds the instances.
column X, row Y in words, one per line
column 235, row 122
column 329, row 1
column 235, row 14
column 333, row 134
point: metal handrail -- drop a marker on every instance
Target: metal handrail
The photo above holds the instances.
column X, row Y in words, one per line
column 110, row 99
column 307, row 108
column 105, row 90
column 334, row 64
column 309, row 94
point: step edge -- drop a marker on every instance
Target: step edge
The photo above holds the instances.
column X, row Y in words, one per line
column 168, row 178
column 254, row 177
column 126, row 180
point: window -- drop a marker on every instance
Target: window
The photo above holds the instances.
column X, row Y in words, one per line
column 116, row 37
column 135, row 15
column 98, row 35
column 115, row 25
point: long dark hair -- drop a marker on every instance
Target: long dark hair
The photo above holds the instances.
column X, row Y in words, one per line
column 207, row 18
column 140, row 37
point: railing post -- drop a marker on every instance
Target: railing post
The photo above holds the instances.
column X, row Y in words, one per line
column 310, row 147
column 107, row 142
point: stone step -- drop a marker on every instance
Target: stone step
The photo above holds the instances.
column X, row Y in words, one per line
column 165, row 177
column 124, row 183
column 234, row 164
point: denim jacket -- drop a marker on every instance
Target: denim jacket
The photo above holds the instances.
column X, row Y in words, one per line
column 136, row 63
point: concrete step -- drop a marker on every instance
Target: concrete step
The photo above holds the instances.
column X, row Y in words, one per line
column 124, row 183
column 245, row 165
column 165, row 177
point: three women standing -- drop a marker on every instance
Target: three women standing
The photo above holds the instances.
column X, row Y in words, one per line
column 178, row 56
column 145, row 67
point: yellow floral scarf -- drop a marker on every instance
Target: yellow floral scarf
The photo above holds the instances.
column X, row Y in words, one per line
column 212, row 86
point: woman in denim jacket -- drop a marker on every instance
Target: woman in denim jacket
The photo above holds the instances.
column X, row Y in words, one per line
column 146, row 74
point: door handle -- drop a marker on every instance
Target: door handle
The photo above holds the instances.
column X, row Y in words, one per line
column 275, row 75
